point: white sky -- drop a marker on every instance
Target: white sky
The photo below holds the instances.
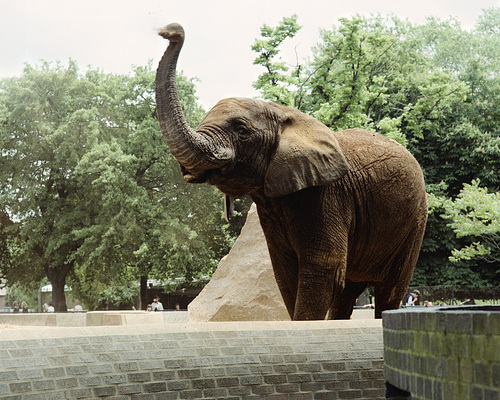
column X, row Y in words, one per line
column 115, row 35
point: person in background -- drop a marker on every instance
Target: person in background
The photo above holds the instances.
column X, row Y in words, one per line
column 178, row 307
column 412, row 299
column 15, row 307
column 78, row 307
column 156, row 305
column 24, row 306
column 50, row 308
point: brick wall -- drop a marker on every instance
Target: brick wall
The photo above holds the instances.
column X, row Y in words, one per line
column 444, row 353
column 260, row 360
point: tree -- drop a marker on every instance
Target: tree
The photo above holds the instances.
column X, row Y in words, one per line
column 50, row 116
column 275, row 84
column 91, row 193
column 475, row 214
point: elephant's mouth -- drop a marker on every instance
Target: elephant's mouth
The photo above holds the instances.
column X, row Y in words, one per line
column 199, row 177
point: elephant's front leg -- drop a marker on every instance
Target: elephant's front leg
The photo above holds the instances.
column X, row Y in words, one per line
column 320, row 279
column 285, row 267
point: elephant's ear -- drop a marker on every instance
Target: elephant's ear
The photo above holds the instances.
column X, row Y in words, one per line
column 308, row 154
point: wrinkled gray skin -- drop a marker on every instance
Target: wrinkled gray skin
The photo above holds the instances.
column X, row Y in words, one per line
column 339, row 210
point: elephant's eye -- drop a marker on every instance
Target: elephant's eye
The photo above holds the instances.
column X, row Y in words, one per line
column 242, row 132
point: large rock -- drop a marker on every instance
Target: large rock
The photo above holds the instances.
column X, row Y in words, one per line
column 243, row 287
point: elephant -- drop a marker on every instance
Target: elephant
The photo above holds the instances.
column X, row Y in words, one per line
column 339, row 210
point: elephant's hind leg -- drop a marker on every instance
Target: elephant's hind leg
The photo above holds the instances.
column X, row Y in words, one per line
column 344, row 302
column 390, row 293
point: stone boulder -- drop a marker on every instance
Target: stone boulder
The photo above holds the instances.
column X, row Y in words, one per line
column 243, row 287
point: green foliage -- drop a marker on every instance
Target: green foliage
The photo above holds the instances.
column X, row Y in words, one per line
column 94, row 192
column 276, row 84
column 475, row 213
column 434, row 88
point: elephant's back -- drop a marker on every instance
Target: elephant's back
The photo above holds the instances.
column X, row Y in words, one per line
column 379, row 158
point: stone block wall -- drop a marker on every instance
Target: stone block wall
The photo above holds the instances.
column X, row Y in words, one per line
column 443, row 353
column 259, row 360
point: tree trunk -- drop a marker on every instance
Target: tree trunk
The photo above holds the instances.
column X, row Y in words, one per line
column 57, row 278
column 144, row 294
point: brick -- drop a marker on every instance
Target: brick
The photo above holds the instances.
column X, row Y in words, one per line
column 208, row 351
column 80, row 393
column 263, row 389
column 191, row 394
column 323, row 376
column 107, row 357
column 182, row 353
column 104, row 391
column 251, row 380
column 215, row 393
column 126, row 366
column 300, row 396
column 271, row 359
column 8, row 376
column 163, row 375
column 55, row 372
column 90, row 381
column 77, row 370
column 249, row 359
column 31, row 374
column 157, row 396
column 285, row 368
column 189, row 373
column 275, row 379
column 178, row 385
column 199, row 362
column 35, row 362
column 240, row 391
column 297, row 378
column 261, row 369
column 336, row 385
column 101, row 368
column 18, row 353
column 173, row 364
column 312, row 386
column 287, row 388
column 223, row 361
column 350, row 394
column 155, row 387
column 312, row 367
column 481, row 374
column 20, row 387
column 203, row 383
column 213, row 372
column 139, row 377
column 45, row 384
column 227, row 382
column 66, row 383
column 114, row 379
column 233, row 351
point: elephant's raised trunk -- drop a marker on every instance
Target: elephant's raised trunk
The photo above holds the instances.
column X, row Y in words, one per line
column 195, row 152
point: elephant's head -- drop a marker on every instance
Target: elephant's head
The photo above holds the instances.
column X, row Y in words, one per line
column 245, row 146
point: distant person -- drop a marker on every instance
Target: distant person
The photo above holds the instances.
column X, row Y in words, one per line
column 427, row 303
column 413, row 299
column 50, row 308
column 177, row 307
column 24, row 306
column 78, row 307
column 15, row 307
column 156, row 305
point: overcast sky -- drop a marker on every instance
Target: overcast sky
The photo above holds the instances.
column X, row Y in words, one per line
column 115, row 35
